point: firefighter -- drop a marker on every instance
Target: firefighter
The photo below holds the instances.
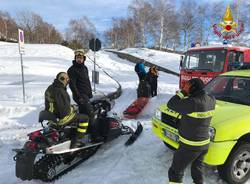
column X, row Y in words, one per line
column 57, row 101
column 196, row 108
column 80, row 85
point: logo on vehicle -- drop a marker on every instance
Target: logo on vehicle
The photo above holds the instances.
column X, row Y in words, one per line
column 228, row 29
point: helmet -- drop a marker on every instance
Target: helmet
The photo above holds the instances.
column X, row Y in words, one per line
column 63, row 78
column 197, row 85
column 79, row 52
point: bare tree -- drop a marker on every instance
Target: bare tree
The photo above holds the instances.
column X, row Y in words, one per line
column 142, row 13
column 202, row 24
column 187, row 20
column 80, row 31
column 123, row 33
column 8, row 27
column 37, row 30
column 164, row 22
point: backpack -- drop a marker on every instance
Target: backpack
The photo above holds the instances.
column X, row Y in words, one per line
column 137, row 68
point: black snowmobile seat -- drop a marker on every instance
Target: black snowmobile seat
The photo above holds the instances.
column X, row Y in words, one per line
column 46, row 115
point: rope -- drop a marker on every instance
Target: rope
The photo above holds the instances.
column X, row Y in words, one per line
column 112, row 95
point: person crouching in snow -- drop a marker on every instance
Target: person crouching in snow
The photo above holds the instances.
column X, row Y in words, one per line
column 152, row 77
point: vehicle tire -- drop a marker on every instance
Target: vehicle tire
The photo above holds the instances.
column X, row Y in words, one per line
column 169, row 146
column 236, row 169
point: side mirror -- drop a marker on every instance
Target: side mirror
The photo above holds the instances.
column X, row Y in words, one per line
column 181, row 61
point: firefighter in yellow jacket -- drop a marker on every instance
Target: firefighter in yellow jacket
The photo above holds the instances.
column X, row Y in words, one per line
column 196, row 108
column 57, row 101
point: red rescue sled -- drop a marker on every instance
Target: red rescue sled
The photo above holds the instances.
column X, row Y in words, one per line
column 135, row 108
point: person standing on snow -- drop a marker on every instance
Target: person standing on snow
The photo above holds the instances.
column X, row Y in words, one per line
column 152, row 77
column 140, row 70
column 80, row 84
column 57, row 101
column 196, row 108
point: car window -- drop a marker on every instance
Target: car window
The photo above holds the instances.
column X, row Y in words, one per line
column 218, row 86
column 230, row 89
column 212, row 60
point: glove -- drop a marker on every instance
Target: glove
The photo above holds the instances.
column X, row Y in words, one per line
column 182, row 94
column 81, row 100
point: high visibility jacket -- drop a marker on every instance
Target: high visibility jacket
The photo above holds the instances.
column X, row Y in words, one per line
column 57, row 101
column 196, row 116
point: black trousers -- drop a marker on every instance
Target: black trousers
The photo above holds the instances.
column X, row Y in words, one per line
column 79, row 119
column 182, row 158
column 86, row 108
column 153, row 90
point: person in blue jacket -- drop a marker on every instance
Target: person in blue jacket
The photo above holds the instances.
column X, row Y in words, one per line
column 140, row 70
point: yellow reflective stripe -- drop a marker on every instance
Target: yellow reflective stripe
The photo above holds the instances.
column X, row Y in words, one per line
column 81, row 130
column 84, row 124
column 52, row 122
column 51, row 107
column 194, row 143
column 206, row 114
column 67, row 118
column 174, row 182
column 180, row 94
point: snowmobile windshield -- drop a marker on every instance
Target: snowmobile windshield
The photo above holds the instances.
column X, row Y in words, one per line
column 204, row 60
column 230, row 89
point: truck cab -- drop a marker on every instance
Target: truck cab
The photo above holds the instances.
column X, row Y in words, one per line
column 211, row 61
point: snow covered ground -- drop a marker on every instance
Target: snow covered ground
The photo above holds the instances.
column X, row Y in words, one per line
column 145, row 162
column 167, row 60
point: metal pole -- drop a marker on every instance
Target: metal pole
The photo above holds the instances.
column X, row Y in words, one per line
column 22, row 77
column 237, row 11
column 94, row 65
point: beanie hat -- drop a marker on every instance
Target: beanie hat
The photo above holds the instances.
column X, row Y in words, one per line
column 197, row 85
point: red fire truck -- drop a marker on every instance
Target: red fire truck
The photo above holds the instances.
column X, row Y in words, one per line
column 208, row 62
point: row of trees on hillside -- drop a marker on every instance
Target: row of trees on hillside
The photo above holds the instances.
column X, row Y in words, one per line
column 78, row 32
column 160, row 23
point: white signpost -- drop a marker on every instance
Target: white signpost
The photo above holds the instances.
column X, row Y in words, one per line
column 21, row 51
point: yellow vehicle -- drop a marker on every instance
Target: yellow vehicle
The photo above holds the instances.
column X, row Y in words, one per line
column 229, row 132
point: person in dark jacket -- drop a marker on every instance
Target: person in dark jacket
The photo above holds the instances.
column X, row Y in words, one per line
column 57, row 101
column 80, row 84
column 152, row 77
column 196, row 108
column 140, row 70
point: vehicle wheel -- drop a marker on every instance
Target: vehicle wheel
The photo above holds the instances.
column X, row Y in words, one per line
column 169, row 146
column 236, row 169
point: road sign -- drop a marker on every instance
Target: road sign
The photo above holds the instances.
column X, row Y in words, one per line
column 95, row 44
column 21, row 41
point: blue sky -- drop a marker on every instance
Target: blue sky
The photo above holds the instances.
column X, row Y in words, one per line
column 59, row 12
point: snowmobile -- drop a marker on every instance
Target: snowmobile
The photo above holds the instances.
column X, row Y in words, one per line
column 47, row 154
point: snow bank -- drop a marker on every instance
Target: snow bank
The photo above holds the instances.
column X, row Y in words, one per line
column 167, row 60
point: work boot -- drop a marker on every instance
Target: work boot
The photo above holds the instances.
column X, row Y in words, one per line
column 78, row 141
column 97, row 139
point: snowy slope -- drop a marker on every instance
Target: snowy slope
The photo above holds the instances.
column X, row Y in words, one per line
column 170, row 61
column 146, row 162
